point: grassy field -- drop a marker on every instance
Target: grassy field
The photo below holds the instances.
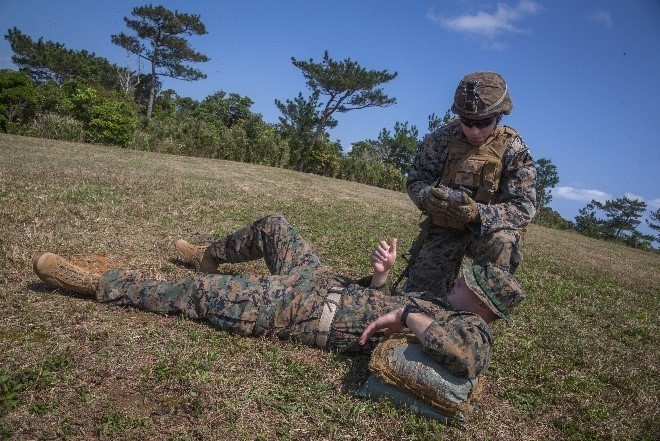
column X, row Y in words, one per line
column 579, row 361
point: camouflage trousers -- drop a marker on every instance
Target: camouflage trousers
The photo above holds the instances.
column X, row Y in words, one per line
column 439, row 260
column 287, row 303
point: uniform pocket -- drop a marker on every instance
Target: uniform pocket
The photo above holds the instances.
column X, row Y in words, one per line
column 468, row 173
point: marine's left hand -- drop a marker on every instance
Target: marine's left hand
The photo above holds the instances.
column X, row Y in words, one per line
column 465, row 211
column 384, row 256
column 390, row 323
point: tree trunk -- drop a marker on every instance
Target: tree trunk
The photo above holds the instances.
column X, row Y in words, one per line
column 152, row 89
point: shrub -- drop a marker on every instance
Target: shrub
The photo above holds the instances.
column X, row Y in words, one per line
column 179, row 136
column 54, row 126
column 324, row 158
column 371, row 172
column 270, row 149
column 112, row 122
column 550, row 218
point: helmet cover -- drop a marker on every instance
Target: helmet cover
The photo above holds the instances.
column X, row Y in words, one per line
column 481, row 95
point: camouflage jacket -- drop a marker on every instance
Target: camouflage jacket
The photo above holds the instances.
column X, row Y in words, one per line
column 459, row 341
column 289, row 307
column 516, row 207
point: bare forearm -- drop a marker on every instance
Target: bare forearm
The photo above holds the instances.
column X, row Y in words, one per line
column 379, row 279
column 418, row 323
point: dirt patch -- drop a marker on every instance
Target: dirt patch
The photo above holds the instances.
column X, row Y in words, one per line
column 96, row 263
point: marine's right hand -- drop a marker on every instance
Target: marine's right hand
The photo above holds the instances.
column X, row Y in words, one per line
column 437, row 201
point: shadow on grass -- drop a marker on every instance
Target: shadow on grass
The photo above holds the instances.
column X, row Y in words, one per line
column 182, row 263
column 44, row 288
column 358, row 370
column 222, row 269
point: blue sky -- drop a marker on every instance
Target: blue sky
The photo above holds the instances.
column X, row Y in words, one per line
column 583, row 75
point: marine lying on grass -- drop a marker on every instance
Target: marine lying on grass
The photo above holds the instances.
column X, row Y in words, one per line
column 304, row 301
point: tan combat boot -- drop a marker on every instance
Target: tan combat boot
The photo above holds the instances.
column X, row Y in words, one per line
column 61, row 273
column 197, row 255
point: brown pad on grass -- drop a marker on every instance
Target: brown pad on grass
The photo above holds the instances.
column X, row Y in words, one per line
column 405, row 375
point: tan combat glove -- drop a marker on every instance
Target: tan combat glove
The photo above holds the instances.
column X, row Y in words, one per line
column 437, row 201
column 453, row 212
column 465, row 211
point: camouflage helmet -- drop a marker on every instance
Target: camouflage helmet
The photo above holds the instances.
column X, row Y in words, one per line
column 495, row 287
column 481, row 95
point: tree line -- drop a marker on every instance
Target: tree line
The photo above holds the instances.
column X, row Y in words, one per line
column 71, row 95
column 78, row 96
column 614, row 220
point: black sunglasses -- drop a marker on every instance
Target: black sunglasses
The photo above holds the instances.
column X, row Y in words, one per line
column 478, row 123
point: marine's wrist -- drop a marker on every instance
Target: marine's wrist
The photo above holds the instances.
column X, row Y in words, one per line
column 379, row 280
column 410, row 309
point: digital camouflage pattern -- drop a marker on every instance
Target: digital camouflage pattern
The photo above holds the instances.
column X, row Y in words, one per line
column 498, row 289
column 481, row 95
column 496, row 237
column 288, row 303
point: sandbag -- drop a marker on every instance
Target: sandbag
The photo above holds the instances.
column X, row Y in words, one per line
column 403, row 374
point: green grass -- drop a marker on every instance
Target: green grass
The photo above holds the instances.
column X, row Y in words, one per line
column 579, row 361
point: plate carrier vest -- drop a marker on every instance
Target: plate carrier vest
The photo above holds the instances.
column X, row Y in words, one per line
column 475, row 170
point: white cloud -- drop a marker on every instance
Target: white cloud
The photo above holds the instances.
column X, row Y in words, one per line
column 579, row 194
column 584, row 195
column 653, row 204
column 602, row 17
column 487, row 24
column 633, row 196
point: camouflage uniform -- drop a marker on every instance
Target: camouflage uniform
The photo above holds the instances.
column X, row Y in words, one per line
column 496, row 237
column 289, row 302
